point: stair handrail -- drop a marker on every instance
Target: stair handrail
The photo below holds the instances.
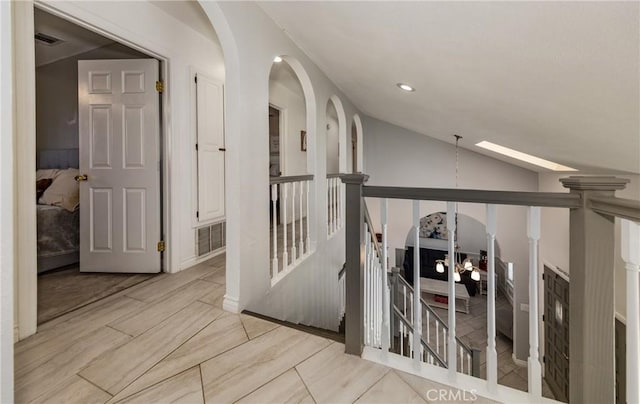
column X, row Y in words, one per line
column 406, row 322
column 368, row 221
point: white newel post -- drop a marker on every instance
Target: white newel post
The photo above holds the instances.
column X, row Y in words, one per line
column 535, row 369
column 492, row 355
column 274, row 200
column 385, row 286
column 451, row 231
column 416, row 312
column 630, row 243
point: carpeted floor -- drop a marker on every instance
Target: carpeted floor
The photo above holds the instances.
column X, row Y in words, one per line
column 63, row 290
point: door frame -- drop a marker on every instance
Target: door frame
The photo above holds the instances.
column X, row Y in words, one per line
column 25, row 94
column 282, row 134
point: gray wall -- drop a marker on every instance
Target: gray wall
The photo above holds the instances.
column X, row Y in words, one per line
column 57, row 96
column 398, row 157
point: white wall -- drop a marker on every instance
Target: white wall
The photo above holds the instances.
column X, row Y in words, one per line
column 7, row 221
column 57, row 96
column 290, row 101
column 249, row 51
column 398, row 157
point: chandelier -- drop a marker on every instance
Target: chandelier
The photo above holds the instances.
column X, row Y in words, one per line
column 467, row 264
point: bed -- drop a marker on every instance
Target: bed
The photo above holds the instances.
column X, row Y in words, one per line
column 58, row 228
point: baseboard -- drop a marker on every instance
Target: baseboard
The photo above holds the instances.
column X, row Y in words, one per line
column 230, row 304
column 519, row 362
column 193, row 260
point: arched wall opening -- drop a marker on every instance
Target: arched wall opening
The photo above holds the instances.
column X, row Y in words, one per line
column 342, row 133
column 291, row 110
column 332, row 140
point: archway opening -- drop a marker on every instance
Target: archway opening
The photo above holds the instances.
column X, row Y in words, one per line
column 333, row 139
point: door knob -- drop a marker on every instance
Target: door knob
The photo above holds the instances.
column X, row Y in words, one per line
column 82, row 177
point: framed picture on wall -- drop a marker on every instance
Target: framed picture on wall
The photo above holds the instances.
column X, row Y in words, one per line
column 303, row 140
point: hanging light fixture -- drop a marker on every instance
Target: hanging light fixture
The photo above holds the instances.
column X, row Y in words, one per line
column 467, row 264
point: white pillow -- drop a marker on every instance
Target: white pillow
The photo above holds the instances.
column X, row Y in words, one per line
column 64, row 191
column 47, row 173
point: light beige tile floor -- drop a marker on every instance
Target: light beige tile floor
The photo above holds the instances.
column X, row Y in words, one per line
column 168, row 340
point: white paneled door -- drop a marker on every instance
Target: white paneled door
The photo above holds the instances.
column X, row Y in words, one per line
column 119, row 121
column 210, row 148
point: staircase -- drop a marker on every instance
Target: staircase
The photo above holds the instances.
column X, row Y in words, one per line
column 389, row 288
column 433, row 338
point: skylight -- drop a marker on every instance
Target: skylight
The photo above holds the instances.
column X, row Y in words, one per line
column 527, row 158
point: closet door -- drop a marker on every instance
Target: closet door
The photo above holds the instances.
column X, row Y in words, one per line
column 210, row 148
column 119, row 121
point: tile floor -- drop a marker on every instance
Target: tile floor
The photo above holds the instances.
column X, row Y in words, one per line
column 168, row 340
column 63, row 290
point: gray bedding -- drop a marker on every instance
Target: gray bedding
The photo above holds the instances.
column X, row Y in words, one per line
column 58, row 231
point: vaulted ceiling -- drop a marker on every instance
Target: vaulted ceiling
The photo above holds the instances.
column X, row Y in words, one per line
column 558, row 80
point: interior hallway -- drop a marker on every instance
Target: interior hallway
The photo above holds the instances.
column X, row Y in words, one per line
column 168, row 340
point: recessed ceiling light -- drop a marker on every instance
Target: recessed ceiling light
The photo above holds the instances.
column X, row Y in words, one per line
column 524, row 157
column 405, row 87
column 277, row 59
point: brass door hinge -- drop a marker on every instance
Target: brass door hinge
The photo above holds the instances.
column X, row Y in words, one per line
column 159, row 86
column 161, row 246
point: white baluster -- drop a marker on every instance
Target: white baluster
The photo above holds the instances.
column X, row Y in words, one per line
column 294, row 250
column 444, row 348
column 404, row 300
column 285, row 254
column 492, row 355
column 437, row 337
column 335, row 204
column 301, row 249
column 630, row 244
column 367, row 288
column 401, row 338
column 461, row 359
column 535, row 369
column 417, row 314
column 331, row 206
column 451, row 230
column 274, row 201
column 428, row 331
column 328, row 207
column 469, row 363
column 308, row 220
column 339, row 203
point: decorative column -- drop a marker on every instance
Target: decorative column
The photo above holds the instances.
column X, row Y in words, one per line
column 355, row 256
column 630, row 243
column 591, row 293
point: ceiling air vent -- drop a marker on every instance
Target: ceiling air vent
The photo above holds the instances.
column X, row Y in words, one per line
column 48, row 40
